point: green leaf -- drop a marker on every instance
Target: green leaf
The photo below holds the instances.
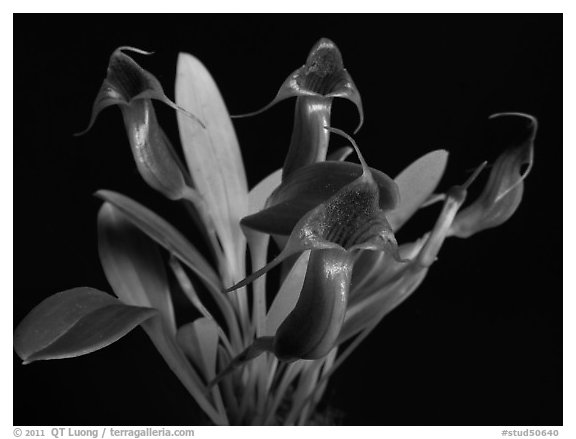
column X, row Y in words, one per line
column 75, row 322
column 260, row 193
column 132, row 264
column 258, row 244
column 164, row 234
column 376, row 306
column 199, row 340
column 213, row 156
column 137, row 275
column 416, row 183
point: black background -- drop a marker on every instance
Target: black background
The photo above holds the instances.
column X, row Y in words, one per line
column 479, row 343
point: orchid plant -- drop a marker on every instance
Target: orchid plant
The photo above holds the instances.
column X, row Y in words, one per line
column 256, row 357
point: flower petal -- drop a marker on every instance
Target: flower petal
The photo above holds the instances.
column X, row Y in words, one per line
column 310, row 186
column 322, row 75
column 213, row 157
column 312, row 327
column 416, row 183
column 75, row 322
column 503, row 192
column 127, row 82
column 132, row 88
column 349, row 220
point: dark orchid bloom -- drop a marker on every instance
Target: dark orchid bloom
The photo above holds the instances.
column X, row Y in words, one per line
column 315, row 85
column 245, row 361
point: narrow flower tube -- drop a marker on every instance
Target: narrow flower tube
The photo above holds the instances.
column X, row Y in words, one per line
column 503, row 192
column 314, row 85
column 132, row 88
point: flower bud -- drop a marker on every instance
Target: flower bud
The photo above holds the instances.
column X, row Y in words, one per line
column 503, row 192
column 132, row 88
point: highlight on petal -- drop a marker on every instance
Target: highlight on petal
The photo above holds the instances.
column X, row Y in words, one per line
column 312, row 327
column 340, row 154
column 416, row 183
column 75, row 322
column 503, row 191
column 309, row 140
column 323, row 75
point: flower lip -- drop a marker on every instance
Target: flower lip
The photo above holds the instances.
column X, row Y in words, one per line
column 128, row 78
column 324, row 69
column 323, row 76
column 127, row 82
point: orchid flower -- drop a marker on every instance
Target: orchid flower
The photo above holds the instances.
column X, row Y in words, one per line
column 244, row 361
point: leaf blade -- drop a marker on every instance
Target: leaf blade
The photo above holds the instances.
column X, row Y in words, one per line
column 212, row 154
column 287, row 296
column 75, row 322
column 416, row 183
column 133, row 265
column 164, row 234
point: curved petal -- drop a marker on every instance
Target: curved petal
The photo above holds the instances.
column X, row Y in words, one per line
column 323, row 75
column 312, row 327
column 127, row 82
column 132, row 88
column 503, row 192
column 349, row 220
column 310, row 186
